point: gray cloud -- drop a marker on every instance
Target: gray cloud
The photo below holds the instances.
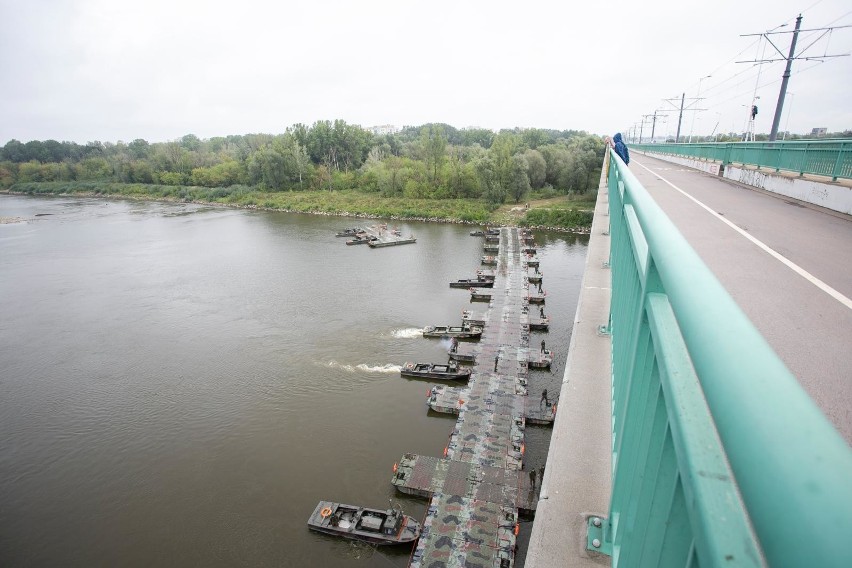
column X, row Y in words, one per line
column 104, row 70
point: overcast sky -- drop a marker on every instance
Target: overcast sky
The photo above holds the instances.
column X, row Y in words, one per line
column 112, row 70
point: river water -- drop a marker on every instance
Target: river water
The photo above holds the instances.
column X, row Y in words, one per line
column 181, row 384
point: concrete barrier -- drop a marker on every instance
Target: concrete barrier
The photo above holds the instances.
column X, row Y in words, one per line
column 808, row 189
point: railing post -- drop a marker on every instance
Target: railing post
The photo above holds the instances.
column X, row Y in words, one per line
column 836, row 170
column 804, row 162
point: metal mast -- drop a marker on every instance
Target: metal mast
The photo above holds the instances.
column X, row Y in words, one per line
column 773, row 134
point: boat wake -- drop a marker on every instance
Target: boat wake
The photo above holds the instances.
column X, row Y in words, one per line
column 407, row 333
column 364, row 368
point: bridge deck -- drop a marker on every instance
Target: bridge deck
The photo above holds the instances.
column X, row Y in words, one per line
column 479, row 486
column 425, row 475
column 810, row 329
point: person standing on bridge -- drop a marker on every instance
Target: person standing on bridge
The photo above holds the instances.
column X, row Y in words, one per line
column 621, row 148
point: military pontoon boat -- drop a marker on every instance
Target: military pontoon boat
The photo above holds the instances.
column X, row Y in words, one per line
column 450, row 371
column 457, row 331
column 376, row 526
column 480, row 282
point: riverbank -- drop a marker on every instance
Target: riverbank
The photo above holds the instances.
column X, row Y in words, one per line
column 558, row 214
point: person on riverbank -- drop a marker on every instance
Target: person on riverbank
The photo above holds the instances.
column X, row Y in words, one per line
column 621, row 148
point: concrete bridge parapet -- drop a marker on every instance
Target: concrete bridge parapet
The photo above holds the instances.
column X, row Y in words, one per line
column 578, row 474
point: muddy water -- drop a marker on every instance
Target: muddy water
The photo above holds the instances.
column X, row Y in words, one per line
column 181, row 384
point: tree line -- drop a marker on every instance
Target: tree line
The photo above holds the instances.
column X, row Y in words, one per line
column 434, row 161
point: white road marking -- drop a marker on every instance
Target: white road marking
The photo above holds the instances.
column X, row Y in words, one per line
column 790, row 264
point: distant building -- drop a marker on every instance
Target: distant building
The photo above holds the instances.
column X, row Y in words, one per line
column 383, row 129
column 819, row 131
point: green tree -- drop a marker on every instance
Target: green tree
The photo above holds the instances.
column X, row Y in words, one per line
column 462, row 177
column 391, row 182
column 139, row 149
column 94, row 169
column 171, row 178
column 141, row 172
column 536, row 168
column 8, row 174
column 480, row 136
column 268, row 166
column 493, row 190
column 298, row 163
column 321, row 178
column 321, row 146
column 435, row 149
column 520, row 183
column 225, row 174
column 533, row 138
column 14, row 151
column 191, row 142
column 502, row 149
column 556, row 157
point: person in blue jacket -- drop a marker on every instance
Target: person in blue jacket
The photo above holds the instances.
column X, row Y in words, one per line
column 621, row 148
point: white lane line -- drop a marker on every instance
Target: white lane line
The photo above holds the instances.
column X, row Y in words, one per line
column 790, row 264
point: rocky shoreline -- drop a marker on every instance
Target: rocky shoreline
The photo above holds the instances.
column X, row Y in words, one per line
column 572, row 230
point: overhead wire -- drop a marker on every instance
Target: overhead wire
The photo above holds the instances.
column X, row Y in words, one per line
column 713, row 90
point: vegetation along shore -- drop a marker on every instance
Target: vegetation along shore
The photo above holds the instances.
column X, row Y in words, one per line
column 529, row 177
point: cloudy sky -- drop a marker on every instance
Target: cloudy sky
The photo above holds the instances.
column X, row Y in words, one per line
column 112, row 70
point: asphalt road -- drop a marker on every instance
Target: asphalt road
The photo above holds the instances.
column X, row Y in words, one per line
column 795, row 283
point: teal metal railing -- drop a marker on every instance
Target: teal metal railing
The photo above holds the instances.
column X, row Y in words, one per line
column 719, row 456
column 821, row 157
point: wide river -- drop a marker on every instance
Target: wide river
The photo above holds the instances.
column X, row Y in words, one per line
column 181, row 384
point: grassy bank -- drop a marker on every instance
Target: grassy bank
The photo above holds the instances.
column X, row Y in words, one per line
column 559, row 213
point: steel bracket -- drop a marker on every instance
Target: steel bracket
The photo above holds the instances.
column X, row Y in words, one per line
column 597, row 535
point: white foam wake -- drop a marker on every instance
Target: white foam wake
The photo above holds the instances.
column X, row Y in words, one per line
column 407, row 333
column 365, row 368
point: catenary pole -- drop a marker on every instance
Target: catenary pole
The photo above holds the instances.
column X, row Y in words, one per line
column 785, row 79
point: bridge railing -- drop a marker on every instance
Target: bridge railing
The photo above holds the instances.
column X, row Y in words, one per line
column 821, row 157
column 719, row 456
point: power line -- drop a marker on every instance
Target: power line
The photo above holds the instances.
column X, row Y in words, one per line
column 767, row 84
column 789, row 58
column 730, row 84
